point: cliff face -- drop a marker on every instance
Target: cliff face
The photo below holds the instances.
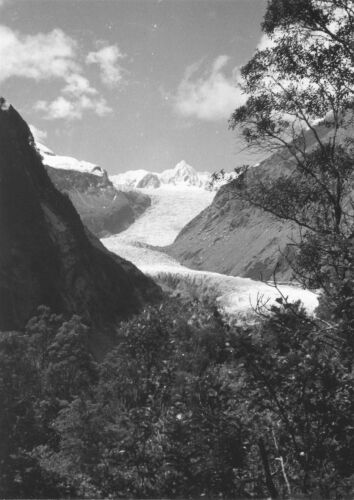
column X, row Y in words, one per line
column 46, row 254
column 103, row 209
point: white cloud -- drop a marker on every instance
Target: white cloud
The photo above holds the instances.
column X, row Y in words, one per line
column 39, row 57
column 107, row 59
column 78, row 85
column 59, row 108
column 64, row 108
column 76, row 97
column 56, row 56
column 38, row 134
column 210, row 96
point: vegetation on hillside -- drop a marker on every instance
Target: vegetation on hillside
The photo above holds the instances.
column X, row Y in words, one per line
column 183, row 406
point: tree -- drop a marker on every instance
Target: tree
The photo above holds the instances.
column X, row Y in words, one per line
column 297, row 371
column 162, row 420
column 298, row 398
column 60, row 351
column 300, row 107
column 42, row 371
column 21, row 427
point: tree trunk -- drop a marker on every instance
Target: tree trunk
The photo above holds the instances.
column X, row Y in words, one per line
column 268, row 476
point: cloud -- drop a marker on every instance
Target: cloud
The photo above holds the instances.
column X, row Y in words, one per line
column 76, row 97
column 78, row 85
column 64, row 108
column 57, row 109
column 39, row 57
column 211, row 95
column 38, row 134
column 107, row 59
column 56, row 56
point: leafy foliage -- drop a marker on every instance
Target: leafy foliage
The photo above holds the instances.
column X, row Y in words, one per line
column 162, row 420
column 300, row 369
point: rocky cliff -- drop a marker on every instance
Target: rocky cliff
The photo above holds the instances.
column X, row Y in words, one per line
column 47, row 256
column 103, row 209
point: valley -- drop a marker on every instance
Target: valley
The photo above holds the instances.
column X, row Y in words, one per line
column 172, row 207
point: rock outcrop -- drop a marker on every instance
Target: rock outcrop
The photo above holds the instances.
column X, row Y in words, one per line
column 47, row 256
column 149, row 180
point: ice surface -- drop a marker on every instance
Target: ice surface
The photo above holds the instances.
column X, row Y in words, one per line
column 172, row 208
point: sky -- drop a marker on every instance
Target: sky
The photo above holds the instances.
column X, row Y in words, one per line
column 131, row 84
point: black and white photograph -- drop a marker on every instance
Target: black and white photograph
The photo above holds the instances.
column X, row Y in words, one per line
column 177, row 249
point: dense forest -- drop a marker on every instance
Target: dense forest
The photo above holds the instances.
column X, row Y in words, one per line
column 188, row 403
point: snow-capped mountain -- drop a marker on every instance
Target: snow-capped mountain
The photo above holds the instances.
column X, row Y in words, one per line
column 50, row 159
column 182, row 175
column 186, row 175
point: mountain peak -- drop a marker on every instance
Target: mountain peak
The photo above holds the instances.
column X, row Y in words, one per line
column 183, row 165
column 182, row 175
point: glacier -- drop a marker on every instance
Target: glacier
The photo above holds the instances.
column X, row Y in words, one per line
column 171, row 209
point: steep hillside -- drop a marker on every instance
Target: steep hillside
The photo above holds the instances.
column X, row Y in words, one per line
column 102, row 208
column 46, row 254
column 233, row 237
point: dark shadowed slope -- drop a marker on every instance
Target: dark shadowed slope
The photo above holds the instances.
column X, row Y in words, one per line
column 46, row 254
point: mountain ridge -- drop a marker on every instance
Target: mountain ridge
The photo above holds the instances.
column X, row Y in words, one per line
column 182, row 174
